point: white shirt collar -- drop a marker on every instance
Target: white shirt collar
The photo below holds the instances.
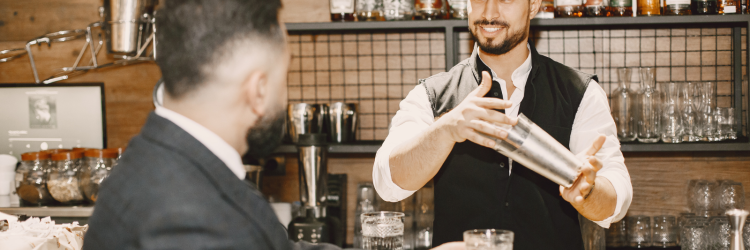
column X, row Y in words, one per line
column 522, row 72
column 211, row 140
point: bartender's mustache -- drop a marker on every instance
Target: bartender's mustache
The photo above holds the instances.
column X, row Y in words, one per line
column 493, row 22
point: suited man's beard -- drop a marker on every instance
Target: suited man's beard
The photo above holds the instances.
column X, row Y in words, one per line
column 266, row 135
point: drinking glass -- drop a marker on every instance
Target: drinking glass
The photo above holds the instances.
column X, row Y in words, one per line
column 593, row 234
column 671, row 119
column 369, row 10
column 681, row 222
column 665, row 231
column 721, row 124
column 704, row 198
column 623, row 106
column 707, row 109
column 647, row 113
column 694, row 235
column 746, row 234
column 688, row 111
column 639, row 231
column 382, row 230
column 719, row 233
column 398, row 9
column 616, row 234
column 366, row 203
column 691, row 193
column 730, row 195
column 488, row 239
column 730, row 134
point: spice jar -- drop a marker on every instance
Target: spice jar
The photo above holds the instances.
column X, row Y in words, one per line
column 62, row 181
column 31, row 179
column 97, row 167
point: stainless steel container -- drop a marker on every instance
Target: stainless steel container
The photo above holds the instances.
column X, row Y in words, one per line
column 306, row 118
column 125, row 22
column 531, row 146
column 312, row 169
column 343, row 126
column 737, row 219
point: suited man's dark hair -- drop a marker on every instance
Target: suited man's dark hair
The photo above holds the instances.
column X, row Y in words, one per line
column 193, row 35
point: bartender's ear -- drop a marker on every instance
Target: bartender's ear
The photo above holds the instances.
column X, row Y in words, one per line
column 534, row 6
column 255, row 92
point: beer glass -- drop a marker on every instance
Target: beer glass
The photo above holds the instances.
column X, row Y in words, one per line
column 382, row 230
column 488, row 239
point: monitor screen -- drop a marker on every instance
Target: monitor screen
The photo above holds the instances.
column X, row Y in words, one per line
column 36, row 117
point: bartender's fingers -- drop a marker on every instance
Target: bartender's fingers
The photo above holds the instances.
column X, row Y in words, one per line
column 484, row 127
column 494, row 117
column 484, row 87
column 493, row 103
column 588, row 171
column 475, row 137
column 596, row 146
column 595, row 163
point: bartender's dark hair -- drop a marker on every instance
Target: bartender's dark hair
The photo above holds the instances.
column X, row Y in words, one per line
column 192, row 33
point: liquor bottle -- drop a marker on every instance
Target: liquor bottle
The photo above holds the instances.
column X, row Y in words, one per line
column 595, row 8
column 342, row 10
column 620, row 8
column 676, row 7
column 428, row 9
column 728, row 7
column 649, row 8
column 569, row 8
column 704, row 7
column 546, row 10
column 396, row 10
column 369, row 10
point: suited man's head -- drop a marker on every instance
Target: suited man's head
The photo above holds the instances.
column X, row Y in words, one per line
column 224, row 65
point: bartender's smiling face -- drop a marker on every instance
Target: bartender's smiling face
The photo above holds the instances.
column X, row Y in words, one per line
column 500, row 25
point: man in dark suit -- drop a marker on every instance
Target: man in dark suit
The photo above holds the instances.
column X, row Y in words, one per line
column 180, row 183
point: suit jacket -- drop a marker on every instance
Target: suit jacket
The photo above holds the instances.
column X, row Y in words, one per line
column 170, row 192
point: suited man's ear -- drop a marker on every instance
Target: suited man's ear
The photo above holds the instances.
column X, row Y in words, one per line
column 255, row 92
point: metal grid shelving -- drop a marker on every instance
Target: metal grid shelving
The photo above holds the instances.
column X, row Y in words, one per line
column 452, row 30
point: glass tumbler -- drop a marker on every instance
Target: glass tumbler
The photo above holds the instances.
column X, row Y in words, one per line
column 639, row 231
column 647, row 113
column 731, row 133
column 707, row 109
column 720, row 233
column 488, row 239
column 694, row 234
column 665, row 231
column 721, row 124
column 616, row 234
column 746, row 234
column 671, row 120
column 688, row 111
column 382, row 230
column 681, row 222
column 704, row 198
column 731, row 195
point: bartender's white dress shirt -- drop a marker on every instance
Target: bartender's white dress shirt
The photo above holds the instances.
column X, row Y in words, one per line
column 592, row 118
column 225, row 152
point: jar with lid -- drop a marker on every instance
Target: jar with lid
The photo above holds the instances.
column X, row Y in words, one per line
column 429, row 9
column 31, row 179
column 569, row 8
column 97, row 167
column 62, row 181
column 620, row 8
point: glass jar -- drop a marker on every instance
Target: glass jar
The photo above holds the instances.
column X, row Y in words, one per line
column 429, row 9
column 649, row 8
column 569, row 8
column 676, row 7
column 369, row 10
column 62, row 181
column 97, row 167
column 342, row 10
column 596, row 8
column 704, row 7
column 729, row 7
column 31, row 179
column 459, row 9
column 623, row 106
column 397, row 10
column 620, row 8
column 546, row 10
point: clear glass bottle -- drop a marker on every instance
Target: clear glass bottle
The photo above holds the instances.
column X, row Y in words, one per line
column 369, row 10
column 731, row 133
column 31, row 179
column 342, row 10
column 546, row 10
column 596, row 8
column 62, row 181
column 620, row 8
column 704, row 7
column 689, row 113
column 459, row 9
column 671, row 119
column 397, row 10
column 648, row 107
column 623, row 106
column 428, row 9
column 97, row 166
column 569, row 8
column 729, row 7
column 649, row 8
column 706, row 112
column 676, row 7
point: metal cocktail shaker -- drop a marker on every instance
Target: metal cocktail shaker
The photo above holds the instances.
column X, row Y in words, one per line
column 531, row 146
column 343, row 124
column 125, row 16
column 306, row 118
column 737, row 219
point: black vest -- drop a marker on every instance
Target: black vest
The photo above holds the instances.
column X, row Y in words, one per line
column 473, row 189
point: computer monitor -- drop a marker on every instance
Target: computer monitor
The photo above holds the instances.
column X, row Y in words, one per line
column 35, row 117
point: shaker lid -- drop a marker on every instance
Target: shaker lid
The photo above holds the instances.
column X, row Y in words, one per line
column 316, row 139
column 101, row 153
column 33, row 156
column 70, row 155
column 55, row 151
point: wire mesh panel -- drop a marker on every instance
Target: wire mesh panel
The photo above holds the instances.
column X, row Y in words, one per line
column 679, row 55
column 374, row 70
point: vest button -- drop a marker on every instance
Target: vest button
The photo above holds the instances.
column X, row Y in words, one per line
column 507, row 204
column 495, row 93
column 502, row 164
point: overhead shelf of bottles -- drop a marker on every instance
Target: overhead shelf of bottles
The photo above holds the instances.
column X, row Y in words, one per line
column 557, row 22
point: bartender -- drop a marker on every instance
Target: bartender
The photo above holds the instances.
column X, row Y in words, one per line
column 437, row 134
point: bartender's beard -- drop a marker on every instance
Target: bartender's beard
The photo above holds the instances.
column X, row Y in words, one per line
column 266, row 135
column 506, row 45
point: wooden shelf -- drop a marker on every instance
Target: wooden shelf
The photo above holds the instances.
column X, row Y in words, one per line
column 50, row 211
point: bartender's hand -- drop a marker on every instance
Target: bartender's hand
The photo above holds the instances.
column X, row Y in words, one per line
column 586, row 181
column 475, row 114
column 456, row 245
